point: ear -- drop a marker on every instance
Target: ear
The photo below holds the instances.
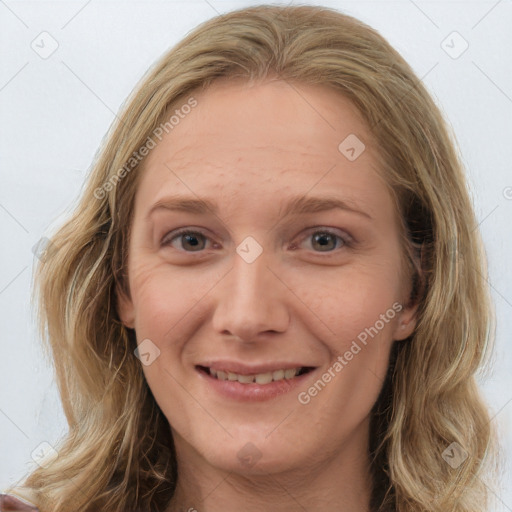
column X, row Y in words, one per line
column 405, row 322
column 125, row 309
column 407, row 317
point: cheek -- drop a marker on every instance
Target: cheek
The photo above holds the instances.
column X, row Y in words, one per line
column 161, row 297
column 363, row 323
column 347, row 301
column 153, row 299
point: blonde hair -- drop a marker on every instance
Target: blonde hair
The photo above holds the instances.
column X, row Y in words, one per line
column 118, row 454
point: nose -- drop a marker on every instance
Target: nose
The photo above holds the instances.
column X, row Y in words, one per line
column 252, row 301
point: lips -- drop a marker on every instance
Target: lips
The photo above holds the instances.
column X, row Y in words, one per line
column 265, row 377
column 256, row 382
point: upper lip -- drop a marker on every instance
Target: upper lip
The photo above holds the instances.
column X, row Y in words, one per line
column 251, row 369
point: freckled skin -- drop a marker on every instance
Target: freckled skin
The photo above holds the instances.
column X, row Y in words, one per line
column 250, row 148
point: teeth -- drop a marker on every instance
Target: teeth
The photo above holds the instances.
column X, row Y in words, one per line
column 260, row 378
column 289, row 374
column 264, row 378
column 278, row 375
column 246, row 379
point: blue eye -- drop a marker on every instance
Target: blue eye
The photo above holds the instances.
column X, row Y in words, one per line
column 188, row 238
column 324, row 240
column 327, row 240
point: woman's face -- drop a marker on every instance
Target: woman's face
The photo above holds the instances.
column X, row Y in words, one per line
column 293, row 264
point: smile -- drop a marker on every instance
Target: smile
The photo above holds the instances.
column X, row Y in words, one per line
column 258, row 378
column 253, row 384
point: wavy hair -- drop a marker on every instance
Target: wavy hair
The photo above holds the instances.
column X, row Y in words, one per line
column 118, row 454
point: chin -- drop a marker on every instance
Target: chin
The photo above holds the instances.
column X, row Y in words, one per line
column 253, row 452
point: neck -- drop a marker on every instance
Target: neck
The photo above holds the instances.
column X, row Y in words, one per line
column 340, row 483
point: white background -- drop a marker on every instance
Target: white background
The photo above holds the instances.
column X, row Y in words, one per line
column 55, row 111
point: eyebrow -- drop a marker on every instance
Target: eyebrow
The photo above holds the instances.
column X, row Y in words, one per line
column 296, row 205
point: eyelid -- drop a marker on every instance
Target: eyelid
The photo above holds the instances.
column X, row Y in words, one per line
column 181, row 231
column 333, row 231
column 347, row 239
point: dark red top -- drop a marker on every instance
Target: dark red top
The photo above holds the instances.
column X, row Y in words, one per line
column 11, row 503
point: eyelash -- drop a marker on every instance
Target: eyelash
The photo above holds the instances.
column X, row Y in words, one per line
column 347, row 241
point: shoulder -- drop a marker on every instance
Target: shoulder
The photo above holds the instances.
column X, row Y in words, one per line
column 12, row 503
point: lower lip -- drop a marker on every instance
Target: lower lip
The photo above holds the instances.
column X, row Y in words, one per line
column 253, row 392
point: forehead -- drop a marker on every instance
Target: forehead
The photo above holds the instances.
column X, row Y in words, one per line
column 261, row 141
